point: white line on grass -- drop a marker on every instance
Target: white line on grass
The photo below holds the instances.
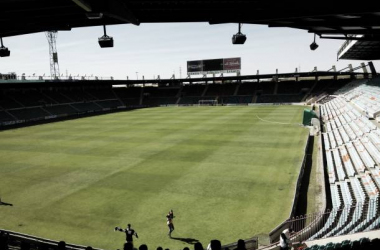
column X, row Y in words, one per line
column 280, row 123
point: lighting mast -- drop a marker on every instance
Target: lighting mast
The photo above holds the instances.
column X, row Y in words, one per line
column 54, row 66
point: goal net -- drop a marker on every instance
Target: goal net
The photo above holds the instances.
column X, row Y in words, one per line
column 207, row 102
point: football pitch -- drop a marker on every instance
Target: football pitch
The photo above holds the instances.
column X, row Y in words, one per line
column 226, row 174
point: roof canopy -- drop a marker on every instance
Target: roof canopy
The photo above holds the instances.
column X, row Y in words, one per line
column 19, row 17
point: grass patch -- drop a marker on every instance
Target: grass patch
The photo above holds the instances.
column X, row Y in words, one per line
column 226, row 175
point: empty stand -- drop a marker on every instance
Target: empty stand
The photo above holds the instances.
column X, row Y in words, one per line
column 352, row 148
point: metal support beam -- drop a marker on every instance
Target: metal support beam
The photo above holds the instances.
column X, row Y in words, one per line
column 83, row 4
column 117, row 9
column 350, row 38
column 372, row 68
column 365, row 71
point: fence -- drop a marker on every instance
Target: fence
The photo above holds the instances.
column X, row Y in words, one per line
column 18, row 240
column 360, row 217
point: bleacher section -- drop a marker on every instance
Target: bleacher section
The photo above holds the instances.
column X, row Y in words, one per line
column 29, row 113
column 63, row 109
column 352, row 150
column 362, row 244
column 365, row 97
column 30, row 103
column 20, row 105
column 129, row 96
column 154, row 96
column 280, row 98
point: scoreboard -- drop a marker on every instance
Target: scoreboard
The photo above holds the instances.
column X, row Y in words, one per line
column 213, row 66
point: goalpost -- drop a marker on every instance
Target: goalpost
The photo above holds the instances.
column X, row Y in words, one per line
column 207, row 103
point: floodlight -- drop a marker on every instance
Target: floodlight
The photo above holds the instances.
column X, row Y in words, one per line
column 314, row 45
column 94, row 15
column 4, row 51
column 105, row 41
column 239, row 38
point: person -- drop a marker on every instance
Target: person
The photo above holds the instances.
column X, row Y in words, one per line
column 171, row 214
column 129, row 232
column 284, row 241
column 143, row 247
column 241, row 245
column 128, row 246
column 169, row 222
column 214, row 245
column 198, row 246
column 61, row 245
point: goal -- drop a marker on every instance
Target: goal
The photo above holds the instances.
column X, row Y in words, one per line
column 207, row 102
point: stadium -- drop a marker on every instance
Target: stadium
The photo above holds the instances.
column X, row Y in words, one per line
column 264, row 159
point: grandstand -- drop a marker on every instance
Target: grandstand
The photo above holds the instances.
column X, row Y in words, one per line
column 44, row 100
column 351, row 157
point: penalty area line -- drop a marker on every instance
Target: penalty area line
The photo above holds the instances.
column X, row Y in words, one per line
column 279, row 123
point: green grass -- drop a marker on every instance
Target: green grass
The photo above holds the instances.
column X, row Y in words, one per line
column 226, row 174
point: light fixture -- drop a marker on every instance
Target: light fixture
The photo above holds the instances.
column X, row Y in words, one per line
column 94, row 15
column 239, row 38
column 314, row 45
column 4, row 51
column 105, row 41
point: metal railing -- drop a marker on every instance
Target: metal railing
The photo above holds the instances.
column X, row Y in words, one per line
column 360, row 217
column 16, row 240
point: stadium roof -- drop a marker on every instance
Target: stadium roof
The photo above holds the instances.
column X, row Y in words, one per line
column 19, row 83
column 366, row 49
column 19, row 17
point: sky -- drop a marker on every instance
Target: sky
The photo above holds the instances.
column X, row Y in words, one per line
column 164, row 49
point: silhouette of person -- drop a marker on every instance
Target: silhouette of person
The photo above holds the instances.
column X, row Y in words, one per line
column 198, row 246
column 241, row 245
column 128, row 246
column 61, row 245
column 214, row 245
column 129, row 232
column 143, row 247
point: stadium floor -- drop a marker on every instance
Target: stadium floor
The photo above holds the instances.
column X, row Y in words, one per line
column 225, row 173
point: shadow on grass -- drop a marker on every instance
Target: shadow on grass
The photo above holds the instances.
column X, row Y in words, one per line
column 5, row 204
column 186, row 240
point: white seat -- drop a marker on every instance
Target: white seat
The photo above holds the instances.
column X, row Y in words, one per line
column 347, row 161
column 364, row 155
column 358, row 163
